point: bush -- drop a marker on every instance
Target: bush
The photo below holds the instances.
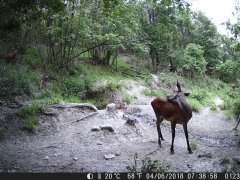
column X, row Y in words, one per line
column 193, row 61
column 148, row 165
column 227, row 71
column 128, row 99
column 150, row 92
column 16, row 80
column 195, row 104
column 31, row 58
column 30, row 124
column 30, row 110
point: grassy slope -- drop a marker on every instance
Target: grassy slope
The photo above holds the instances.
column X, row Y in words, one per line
column 80, row 85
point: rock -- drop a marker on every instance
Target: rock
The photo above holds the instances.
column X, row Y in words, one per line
column 189, row 166
column 46, row 158
column 95, row 128
column 111, row 107
column 99, row 143
column 133, row 110
column 107, row 127
column 75, row 158
column 11, row 171
column 109, row 156
column 117, row 154
column 121, row 105
column 131, row 120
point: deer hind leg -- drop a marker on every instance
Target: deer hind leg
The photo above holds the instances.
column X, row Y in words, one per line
column 173, row 125
column 186, row 135
column 160, row 137
column 235, row 129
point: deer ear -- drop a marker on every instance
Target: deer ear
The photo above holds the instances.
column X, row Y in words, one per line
column 178, row 86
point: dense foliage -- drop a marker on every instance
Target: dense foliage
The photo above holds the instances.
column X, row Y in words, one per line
column 62, row 35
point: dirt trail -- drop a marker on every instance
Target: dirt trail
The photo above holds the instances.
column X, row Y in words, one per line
column 104, row 142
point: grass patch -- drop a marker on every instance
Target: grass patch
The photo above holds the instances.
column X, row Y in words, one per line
column 30, row 123
column 30, row 110
column 148, row 165
column 127, row 98
column 31, row 58
column 150, row 92
column 16, row 80
column 99, row 101
column 195, row 105
column 194, row 145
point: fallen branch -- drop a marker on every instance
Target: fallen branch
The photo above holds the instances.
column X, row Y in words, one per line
column 133, row 75
column 87, row 116
column 74, row 105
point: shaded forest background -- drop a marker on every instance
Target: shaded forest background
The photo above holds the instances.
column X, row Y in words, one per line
column 62, row 48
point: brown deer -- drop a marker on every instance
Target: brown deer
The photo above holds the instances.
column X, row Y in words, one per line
column 10, row 57
column 174, row 109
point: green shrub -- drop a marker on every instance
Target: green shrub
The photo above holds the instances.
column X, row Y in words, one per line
column 213, row 107
column 195, row 105
column 16, row 80
column 153, row 166
column 113, row 86
column 31, row 58
column 30, row 110
column 128, row 98
column 150, row 92
column 193, row 61
column 30, row 123
column 194, row 145
column 227, row 71
column 148, row 165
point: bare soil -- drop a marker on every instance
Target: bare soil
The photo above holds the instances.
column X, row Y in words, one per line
column 106, row 141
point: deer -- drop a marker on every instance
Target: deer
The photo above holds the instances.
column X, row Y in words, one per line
column 10, row 57
column 174, row 109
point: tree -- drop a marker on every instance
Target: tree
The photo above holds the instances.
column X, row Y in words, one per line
column 206, row 35
column 193, row 62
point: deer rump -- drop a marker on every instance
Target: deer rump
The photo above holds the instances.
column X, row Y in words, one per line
column 177, row 111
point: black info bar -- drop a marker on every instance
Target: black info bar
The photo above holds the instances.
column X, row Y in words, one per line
column 127, row 176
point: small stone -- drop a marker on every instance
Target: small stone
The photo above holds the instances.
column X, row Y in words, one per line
column 117, row 154
column 109, row 156
column 207, row 155
column 189, row 166
column 11, row 171
column 95, row 129
column 131, row 120
column 107, row 127
column 99, row 143
column 111, row 107
column 46, row 158
column 75, row 158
